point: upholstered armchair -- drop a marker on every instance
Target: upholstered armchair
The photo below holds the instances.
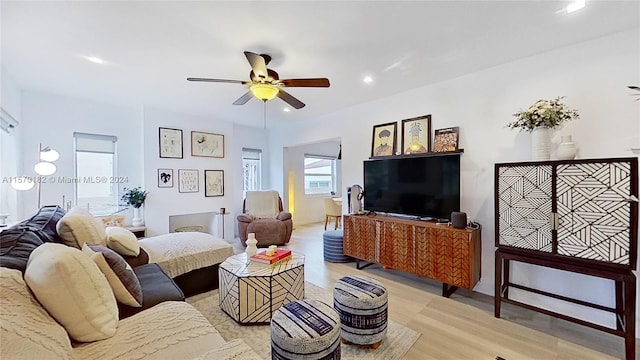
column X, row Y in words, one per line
column 263, row 215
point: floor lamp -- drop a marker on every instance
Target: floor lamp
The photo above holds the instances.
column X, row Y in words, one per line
column 44, row 167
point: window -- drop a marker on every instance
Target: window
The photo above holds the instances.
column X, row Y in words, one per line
column 319, row 174
column 96, row 189
column 251, row 170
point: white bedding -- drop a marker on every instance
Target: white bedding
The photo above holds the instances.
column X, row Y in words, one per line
column 179, row 253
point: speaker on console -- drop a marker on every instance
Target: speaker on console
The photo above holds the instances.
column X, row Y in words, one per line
column 459, row 220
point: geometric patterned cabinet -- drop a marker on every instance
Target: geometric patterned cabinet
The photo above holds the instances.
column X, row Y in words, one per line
column 440, row 252
column 584, row 210
column 579, row 216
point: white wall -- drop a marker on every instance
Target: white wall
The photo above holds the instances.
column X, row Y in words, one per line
column 252, row 138
column 308, row 208
column 10, row 154
column 52, row 120
column 593, row 75
column 162, row 203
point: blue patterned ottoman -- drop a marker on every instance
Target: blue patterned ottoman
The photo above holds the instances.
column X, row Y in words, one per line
column 305, row 329
column 332, row 241
column 362, row 305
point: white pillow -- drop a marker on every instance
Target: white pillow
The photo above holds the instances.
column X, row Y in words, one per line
column 78, row 226
column 123, row 281
column 73, row 290
column 123, row 241
column 28, row 331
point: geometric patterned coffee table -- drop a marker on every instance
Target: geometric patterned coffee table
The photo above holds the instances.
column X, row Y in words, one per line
column 251, row 293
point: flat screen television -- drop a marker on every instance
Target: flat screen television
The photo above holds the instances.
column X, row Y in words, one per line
column 427, row 186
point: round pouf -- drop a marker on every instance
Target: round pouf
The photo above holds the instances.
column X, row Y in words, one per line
column 361, row 303
column 305, row 329
column 332, row 241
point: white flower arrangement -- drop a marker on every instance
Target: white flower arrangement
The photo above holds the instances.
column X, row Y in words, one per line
column 544, row 113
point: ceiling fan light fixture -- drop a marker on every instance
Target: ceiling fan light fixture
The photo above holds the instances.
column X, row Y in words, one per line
column 264, row 92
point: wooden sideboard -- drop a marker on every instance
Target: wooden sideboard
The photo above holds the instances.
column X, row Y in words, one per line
column 439, row 252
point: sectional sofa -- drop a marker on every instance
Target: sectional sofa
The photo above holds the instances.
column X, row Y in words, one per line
column 59, row 301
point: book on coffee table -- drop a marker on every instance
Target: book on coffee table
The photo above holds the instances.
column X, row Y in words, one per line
column 279, row 255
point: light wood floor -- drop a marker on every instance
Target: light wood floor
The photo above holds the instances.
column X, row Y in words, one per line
column 461, row 327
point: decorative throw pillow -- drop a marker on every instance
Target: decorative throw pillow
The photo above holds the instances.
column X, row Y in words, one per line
column 73, row 290
column 135, row 261
column 16, row 244
column 122, row 241
column 124, row 283
column 78, row 226
column 28, row 331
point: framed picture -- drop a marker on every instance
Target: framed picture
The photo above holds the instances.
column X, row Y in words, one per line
column 446, row 139
column 213, row 183
column 165, row 178
column 383, row 134
column 207, row 144
column 188, row 180
column 416, row 135
column 170, row 143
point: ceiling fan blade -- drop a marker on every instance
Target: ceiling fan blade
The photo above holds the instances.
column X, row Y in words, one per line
column 258, row 64
column 314, row 82
column 289, row 99
column 219, row 80
column 244, row 98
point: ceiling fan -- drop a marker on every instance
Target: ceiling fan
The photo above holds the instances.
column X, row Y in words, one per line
column 265, row 83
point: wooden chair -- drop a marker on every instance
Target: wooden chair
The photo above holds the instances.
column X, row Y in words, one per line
column 332, row 210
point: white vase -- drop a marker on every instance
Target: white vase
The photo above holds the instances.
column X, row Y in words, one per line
column 137, row 219
column 541, row 143
column 252, row 245
column 567, row 149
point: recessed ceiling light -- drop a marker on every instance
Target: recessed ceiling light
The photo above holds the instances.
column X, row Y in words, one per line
column 368, row 79
column 286, row 109
column 576, row 5
column 94, row 59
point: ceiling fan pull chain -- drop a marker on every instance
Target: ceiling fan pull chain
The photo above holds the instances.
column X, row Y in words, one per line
column 265, row 113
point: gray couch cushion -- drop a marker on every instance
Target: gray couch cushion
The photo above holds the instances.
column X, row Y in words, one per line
column 157, row 287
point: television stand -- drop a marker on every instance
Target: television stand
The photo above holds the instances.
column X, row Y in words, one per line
column 435, row 251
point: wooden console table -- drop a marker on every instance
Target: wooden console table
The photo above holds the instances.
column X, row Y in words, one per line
column 439, row 252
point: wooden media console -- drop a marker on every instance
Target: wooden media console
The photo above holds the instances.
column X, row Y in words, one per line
column 435, row 251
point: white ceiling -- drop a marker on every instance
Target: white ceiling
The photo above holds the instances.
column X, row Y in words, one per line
column 152, row 47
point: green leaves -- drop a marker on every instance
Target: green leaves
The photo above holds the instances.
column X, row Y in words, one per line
column 544, row 113
column 134, row 197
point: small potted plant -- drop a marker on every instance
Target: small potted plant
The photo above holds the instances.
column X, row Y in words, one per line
column 135, row 197
column 538, row 119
